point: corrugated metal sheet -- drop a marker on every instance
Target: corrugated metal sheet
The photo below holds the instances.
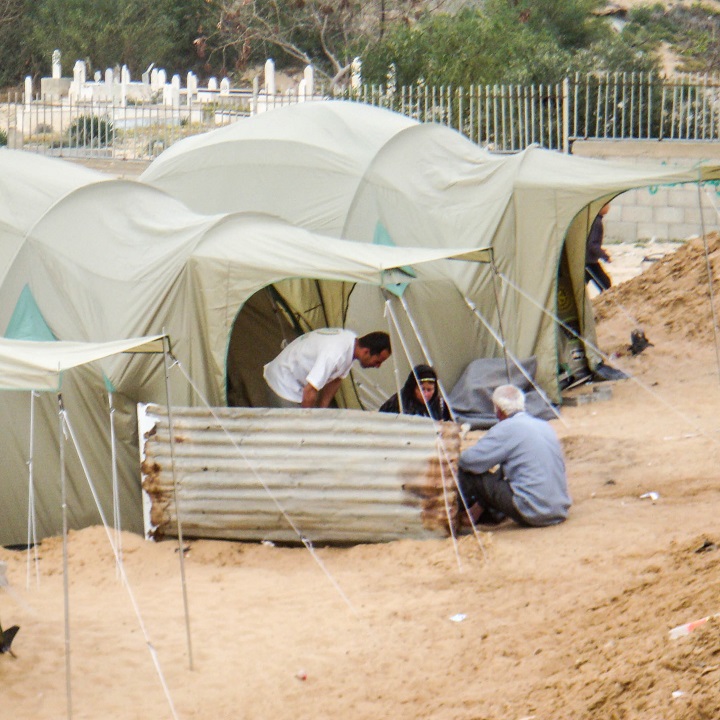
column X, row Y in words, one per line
column 342, row 476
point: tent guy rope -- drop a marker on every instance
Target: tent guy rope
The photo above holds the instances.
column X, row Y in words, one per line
column 68, row 433
column 305, row 541
column 605, row 356
column 181, row 549
column 444, row 455
column 503, row 345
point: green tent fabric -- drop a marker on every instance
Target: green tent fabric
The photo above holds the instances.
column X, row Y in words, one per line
column 427, row 186
column 113, row 259
column 27, row 322
column 39, row 365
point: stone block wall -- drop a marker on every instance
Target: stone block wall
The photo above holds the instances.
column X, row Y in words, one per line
column 660, row 213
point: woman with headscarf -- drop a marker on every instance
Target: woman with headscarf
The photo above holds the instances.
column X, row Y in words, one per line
column 420, row 396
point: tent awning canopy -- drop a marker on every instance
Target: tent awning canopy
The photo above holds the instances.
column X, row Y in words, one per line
column 38, row 365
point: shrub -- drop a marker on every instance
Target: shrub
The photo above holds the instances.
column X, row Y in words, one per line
column 90, row 130
column 3, row 138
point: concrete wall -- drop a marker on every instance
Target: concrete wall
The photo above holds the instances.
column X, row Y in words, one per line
column 661, row 212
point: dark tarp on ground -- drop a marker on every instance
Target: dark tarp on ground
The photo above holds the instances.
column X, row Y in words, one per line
column 471, row 397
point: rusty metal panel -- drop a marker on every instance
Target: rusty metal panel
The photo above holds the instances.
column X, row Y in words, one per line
column 337, row 476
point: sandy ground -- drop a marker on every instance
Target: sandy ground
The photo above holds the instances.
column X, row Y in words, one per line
column 562, row 623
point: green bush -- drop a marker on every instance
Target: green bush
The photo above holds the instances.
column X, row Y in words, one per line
column 3, row 138
column 90, row 130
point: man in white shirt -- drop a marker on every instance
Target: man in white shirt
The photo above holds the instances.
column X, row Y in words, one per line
column 308, row 372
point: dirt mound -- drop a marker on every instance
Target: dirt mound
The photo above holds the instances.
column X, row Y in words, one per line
column 673, row 293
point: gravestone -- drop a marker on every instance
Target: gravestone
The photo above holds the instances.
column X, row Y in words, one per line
column 270, row 87
column 55, row 86
column 56, row 66
column 356, row 74
column 309, row 79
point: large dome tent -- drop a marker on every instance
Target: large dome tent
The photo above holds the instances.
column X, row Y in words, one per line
column 428, row 186
column 117, row 259
column 276, row 161
column 29, row 185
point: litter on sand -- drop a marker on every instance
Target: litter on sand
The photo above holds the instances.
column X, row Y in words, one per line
column 687, row 628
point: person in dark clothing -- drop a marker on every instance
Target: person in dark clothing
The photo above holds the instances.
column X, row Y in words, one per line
column 420, row 396
column 595, row 252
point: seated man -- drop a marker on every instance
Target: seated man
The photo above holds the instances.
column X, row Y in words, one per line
column 530, row 486
column 308, row 372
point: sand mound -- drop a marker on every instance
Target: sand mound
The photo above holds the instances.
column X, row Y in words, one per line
column 672, row 293
column 564, row 623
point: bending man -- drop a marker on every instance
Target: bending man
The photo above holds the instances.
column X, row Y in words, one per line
column 530, row 486
column 308, row 372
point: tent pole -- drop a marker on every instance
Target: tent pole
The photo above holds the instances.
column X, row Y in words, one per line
column 499, row 314
column 115, row 489
column 307, row 543
column 426, row 353
column 32, row 522
column 708, row 268
column 66, row 587
column 181, row 553
column 498, row 339
column 396, row 369
column 441, row 450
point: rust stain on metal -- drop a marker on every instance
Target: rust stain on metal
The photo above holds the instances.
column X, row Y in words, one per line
column 341, row 476
column 438, row 486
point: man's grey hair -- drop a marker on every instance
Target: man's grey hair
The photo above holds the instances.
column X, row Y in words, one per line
column 508, row 399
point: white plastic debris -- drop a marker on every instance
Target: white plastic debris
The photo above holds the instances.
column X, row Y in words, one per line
column 677, row 693
column 653, row 496
column 459, row 617
column 687, row 628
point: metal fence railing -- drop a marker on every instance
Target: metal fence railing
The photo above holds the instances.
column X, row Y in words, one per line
column 617, row 106
column 506, row 118
column 102, row 129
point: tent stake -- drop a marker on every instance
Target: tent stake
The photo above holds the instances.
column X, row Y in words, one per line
column 181, row 553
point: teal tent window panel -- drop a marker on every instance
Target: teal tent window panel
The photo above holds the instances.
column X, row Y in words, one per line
column 27, row 322
column 382, row 237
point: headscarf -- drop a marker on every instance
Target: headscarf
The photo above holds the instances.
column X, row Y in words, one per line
column 410, row 404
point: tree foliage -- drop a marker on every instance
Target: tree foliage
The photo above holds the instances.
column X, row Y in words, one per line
column 106, row 33
column 450, row 42
column 325, row 33
column 505, row 41
column 692, row 31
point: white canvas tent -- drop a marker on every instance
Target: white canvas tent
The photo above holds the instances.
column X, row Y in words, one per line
column 29, row 185
column 115, row 259
column 379, row 177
